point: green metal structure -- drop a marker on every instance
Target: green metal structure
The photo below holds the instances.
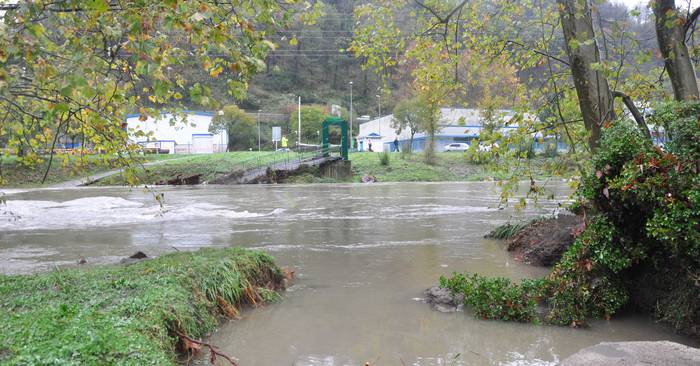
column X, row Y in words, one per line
column 335, row 121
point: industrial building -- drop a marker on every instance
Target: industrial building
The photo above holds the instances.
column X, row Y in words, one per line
column 168, row 133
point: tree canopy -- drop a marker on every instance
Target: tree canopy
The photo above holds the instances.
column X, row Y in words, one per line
column 78, row 67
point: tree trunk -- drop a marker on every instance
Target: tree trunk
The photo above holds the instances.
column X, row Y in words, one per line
column 595, row 99
column 671, row 36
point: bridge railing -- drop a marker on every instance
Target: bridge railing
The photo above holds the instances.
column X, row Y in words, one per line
column 282, row 159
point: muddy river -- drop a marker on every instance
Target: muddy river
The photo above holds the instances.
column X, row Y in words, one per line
column 362, row 253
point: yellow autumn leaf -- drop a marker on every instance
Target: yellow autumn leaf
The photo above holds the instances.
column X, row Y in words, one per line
column 216, row 71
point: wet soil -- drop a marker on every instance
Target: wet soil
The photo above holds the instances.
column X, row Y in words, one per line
column 542, row 242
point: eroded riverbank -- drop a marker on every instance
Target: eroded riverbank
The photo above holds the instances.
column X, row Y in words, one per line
column 363, row 255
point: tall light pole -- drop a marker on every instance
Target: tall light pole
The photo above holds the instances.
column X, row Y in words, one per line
column 299, row 125
column 351, row 137
column 379, row 122
column 258, row 130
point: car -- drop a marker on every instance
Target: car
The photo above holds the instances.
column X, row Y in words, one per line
column 488, row 147
column 457, row 146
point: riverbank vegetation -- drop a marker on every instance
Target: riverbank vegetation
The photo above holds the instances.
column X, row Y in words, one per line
column 397, row 167
column 130, row 315
column 16, row 172
column 641, row 243
column 207, row 166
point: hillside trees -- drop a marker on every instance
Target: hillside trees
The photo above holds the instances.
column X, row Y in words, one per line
column 640, row 243
column 239, row 126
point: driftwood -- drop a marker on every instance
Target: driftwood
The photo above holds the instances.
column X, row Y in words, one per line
column 195, row 345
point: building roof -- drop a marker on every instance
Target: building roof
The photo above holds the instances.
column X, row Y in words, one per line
column 187, row 111
column 457, row 116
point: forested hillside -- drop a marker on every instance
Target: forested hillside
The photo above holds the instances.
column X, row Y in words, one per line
column 313, row 61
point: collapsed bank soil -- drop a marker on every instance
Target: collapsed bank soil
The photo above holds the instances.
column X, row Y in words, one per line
column 131, row 314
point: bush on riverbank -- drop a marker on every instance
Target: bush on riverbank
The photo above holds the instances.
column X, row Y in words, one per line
column 128, row 315
column 497, row 298
column 641, row 245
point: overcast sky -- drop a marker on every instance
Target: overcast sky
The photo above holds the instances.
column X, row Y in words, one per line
column 633, row 3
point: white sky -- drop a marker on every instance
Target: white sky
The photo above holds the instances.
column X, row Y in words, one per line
column 633, row 3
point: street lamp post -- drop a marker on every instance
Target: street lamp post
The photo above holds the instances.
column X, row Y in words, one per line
column 258, row 130
column 351, row 137
column 379, row 122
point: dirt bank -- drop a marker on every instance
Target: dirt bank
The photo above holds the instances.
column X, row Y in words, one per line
column 543, row 241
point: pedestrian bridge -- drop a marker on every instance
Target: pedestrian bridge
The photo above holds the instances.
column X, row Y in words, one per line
column 267, row 166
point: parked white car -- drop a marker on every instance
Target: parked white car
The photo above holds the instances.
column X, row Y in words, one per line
column 457, row 146
column 488, row 147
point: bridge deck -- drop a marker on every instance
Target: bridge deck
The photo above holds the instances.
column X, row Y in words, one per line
column 258, row 174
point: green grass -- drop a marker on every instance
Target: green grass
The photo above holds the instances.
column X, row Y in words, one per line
column 448, row 167
column 64, row 167
column 397, row 168
column 412, row 168
column 210, row 166
column 508, row 230
column 127, row 315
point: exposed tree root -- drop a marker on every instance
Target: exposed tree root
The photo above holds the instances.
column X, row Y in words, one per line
column 194, row 346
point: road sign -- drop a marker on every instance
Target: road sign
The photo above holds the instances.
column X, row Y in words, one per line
column 276, row 133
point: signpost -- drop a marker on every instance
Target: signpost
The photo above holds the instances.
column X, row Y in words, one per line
column 276, row 135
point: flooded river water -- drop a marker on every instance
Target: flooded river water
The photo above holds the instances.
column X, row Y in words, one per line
column 362, row 254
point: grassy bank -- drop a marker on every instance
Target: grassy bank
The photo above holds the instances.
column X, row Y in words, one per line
column 450, row 166
column 210, row 166
column 64, row 168
column 401, row 168
column 412, row 168
column 127, row 314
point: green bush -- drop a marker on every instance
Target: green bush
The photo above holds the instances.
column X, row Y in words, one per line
column 476, row 156
column 642, row 236
column 497, row 298
column 384, row 158
column 584, row 283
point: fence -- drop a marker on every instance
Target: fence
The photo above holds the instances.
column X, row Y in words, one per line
column 283, row 160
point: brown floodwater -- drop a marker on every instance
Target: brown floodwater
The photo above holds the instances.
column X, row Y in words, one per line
column 362, row 253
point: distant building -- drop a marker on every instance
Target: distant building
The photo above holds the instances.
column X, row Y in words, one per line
column 172, row 134
column 456, row 125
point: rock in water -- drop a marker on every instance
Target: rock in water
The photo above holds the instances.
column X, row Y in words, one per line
column 635, row 353
column 442, row 299
column 134, row 258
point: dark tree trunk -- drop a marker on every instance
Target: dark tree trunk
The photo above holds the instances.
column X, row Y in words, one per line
column 670, row 33
column 595, row 99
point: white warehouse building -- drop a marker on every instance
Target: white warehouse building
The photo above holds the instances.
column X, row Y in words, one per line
column 456, row 125
column 173, row 134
